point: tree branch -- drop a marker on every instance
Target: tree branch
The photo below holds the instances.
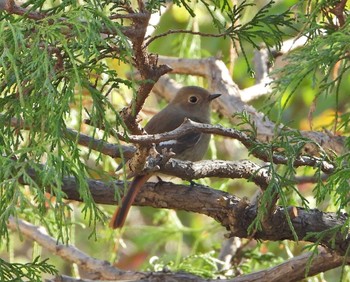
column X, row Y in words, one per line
column 112, row 150
column 291, row 270
column 183, row 31
column 235, row 214
column 12, row 8
column 190, row 126
column 67, row 252
column 129, row 16
column 102, row 269
column 294, row 269
column 297, row 268
column 187, row 126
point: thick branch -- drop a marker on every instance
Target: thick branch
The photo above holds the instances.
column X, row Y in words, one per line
column 237, row 215
column 216, row 168
column 233, row 213
column 291, row 270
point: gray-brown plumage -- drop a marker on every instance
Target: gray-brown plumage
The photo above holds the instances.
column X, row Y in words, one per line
column 190, row 102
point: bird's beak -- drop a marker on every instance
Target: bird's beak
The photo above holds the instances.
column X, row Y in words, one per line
column 214, row 96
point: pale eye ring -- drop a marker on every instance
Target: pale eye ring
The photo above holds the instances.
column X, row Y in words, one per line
column 193, row 99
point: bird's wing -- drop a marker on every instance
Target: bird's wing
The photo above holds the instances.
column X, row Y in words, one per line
column 167, row 121
column 182, row 143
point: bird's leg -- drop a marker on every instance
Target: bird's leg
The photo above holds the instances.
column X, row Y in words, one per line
column 160, row 181
column 192, row 183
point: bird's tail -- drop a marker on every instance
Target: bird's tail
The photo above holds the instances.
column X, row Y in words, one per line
column 120, row 214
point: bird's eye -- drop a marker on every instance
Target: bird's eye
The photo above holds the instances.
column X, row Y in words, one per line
column 193, row 99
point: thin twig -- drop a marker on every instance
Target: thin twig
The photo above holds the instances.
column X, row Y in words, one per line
column 128, row 16
column 184, row 31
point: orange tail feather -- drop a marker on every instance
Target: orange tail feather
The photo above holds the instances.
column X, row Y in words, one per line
column 120, row 214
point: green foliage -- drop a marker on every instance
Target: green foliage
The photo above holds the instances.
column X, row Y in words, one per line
column 25, row 272
column 337, row 186
column 204, row 265
column 306, row 61
column 50, row 69
column 322, row 60
column 255, row 259
column 47, row 68
column 263, row 27
column 207, row 265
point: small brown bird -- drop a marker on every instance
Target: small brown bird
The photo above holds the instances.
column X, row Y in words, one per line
column 190, row 102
